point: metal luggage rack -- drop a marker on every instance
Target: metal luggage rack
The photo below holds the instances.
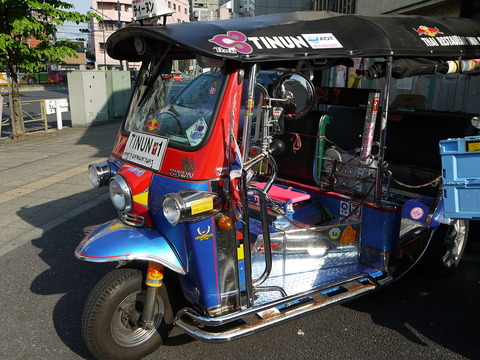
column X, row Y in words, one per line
column 349, row 177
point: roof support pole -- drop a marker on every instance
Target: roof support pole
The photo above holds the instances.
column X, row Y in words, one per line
column 383, row 131
column 247, row 123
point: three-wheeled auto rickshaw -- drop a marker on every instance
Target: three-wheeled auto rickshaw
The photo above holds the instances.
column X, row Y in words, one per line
column 261, row 190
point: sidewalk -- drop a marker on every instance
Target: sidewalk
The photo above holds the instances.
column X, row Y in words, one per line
column 44, row 180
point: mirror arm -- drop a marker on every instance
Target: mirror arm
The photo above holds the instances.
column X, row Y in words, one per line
column 264, row 154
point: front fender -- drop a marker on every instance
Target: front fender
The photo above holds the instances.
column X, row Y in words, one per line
column 115, row 241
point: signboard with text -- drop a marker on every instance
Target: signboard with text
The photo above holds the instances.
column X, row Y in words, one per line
column 147, row 9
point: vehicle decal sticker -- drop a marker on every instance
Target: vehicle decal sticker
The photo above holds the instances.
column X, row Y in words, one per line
column 232, row 41
column 416, row 213
column 153, row 124
column 188, row 164
column 344, row 208
column 213, row 89
column 181, row 174
column 196, row 132
column 142, row 198
column 200, row 206
column 428, row 31
column 334, row 233
column 322, row 41
column 135, row 170
column 235, row 42
column 348, row 236
column 219, row 171
column 203, row 234
column 279, row 42
column 429, row 35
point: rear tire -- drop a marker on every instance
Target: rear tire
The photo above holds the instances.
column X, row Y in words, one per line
column 446, row 248
column 112, row 316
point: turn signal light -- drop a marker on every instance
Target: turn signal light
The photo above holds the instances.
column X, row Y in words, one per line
column 225, row 222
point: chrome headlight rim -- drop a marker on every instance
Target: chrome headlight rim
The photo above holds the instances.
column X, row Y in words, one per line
column 99, row 174
column 190, row 206
column 172, row 208
column 120, row 193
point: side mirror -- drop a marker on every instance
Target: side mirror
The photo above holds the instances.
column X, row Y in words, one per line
column 296, row 94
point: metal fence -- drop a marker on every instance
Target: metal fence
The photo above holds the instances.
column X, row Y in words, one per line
column 34, row 118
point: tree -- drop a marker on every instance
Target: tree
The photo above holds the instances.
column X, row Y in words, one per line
column 21, row 21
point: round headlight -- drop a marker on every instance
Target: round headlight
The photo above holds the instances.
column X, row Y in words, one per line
column 171, row 209
column 93, row 176
column 120, row 193
column 99, row 174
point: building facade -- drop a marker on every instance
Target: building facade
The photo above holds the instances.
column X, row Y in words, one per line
column 116, row 14
column 457, row 8
column 248, row 8
column 205, row 10
column 340, row 6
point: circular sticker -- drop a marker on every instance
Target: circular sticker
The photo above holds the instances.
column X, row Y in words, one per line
column 416, row 213
column 334, row 233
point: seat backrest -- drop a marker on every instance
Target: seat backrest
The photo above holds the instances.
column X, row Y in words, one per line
column 413, row 137
column 301, row 138
column 345, row 128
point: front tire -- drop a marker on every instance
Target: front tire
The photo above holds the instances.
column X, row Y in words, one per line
column 112, row 317
column 446, row 248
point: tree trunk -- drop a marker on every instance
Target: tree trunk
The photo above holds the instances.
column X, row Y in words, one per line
column 18, row 126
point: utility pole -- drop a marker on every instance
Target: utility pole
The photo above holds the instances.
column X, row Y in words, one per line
column 117, row 7
column 119, row 15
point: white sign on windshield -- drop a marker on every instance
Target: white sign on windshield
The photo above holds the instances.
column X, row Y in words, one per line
column 146, row 9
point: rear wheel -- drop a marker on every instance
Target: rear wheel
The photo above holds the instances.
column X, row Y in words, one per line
column 446, row 248
column 112, row 317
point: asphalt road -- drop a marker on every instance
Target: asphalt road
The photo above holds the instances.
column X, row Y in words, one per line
column 44, row 287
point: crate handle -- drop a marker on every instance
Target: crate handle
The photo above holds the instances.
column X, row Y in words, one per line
column 475, row 181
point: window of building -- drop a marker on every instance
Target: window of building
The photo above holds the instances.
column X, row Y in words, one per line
column 169, row 4
column 174, row 6
column 102, row 47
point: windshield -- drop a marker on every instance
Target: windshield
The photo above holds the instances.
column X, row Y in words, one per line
column 177, row 108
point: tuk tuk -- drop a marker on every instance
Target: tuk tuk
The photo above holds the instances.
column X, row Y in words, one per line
column 261, row 190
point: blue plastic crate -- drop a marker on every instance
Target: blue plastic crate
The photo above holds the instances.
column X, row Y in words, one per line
column 461, row 177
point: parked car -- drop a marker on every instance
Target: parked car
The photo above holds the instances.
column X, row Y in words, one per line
column 56, row 77
column 177, row 77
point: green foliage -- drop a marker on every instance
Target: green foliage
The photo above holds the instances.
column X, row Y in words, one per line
column 21, row 20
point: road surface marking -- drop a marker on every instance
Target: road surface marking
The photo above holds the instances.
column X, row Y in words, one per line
column 36, row 185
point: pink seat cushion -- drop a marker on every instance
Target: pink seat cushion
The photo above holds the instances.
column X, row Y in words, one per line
column 282, row 194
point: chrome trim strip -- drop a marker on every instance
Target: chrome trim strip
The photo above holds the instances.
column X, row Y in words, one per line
column 265, row 316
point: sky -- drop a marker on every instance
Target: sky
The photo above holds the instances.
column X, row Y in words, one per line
column 81, row 6
column 71, row 31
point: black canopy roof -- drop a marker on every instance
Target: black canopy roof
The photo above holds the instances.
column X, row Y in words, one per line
column 304, row 35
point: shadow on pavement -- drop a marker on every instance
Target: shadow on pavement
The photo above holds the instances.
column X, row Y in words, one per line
column 441, row 310
column 70, row 276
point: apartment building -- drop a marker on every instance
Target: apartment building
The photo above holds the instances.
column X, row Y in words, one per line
column 116, row 14
column 205, row 10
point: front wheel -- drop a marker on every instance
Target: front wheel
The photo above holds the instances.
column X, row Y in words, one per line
column 446, row 248
column 112, row 317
